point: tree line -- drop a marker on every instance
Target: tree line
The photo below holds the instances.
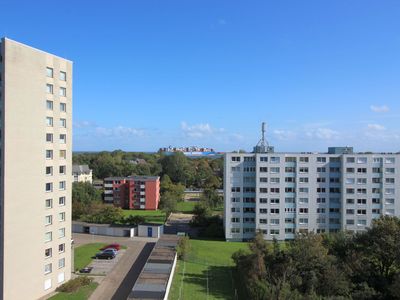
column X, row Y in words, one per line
column 191, row 173
column 365, row 265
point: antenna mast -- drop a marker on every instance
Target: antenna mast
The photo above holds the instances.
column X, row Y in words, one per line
column 262, row 146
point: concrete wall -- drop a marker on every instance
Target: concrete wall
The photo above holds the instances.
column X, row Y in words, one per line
column 105, row 230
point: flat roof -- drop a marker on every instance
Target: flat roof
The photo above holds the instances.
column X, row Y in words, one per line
column 134, row 177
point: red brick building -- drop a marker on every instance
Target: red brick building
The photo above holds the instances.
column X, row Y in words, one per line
column 133, row 192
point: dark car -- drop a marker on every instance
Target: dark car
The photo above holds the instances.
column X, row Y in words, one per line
column 86, row 270
column 115, row 246
column 106, row 254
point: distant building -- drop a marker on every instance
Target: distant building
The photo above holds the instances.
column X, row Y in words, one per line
column 281, row 194
column 98, row 184
column 133, row 192
column 81, row 173
column 192, row 151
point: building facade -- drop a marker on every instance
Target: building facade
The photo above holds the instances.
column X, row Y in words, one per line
column 36, row 160
column 134, row 192
column 282, row 194
column 81, row 173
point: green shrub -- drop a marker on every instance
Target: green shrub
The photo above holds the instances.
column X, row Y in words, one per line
column 74, row 284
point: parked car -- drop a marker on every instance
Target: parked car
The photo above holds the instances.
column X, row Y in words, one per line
column 106, row 254
column 115, row 246
column 111, row 249
column 86, row 270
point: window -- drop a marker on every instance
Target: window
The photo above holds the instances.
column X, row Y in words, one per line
column 376, row 201
column 61, row 201
column 304, row 159
column 49, row 137
column 377, row 160
column 49, row 154
column 47, row 269
column 47, row 253
column 263, row 221
column 389, row 170
column 235, row 169
column 63, row 91
column 361, row 180
column 361, row 201
column 49, row 171
column 321, row 159
column 61, row 263
column 303, row 220
column 303, row 170
column 49, row 72
column 303, row 210
column 63, row 138
column 263, row 190
column 303, row 190
column 49, row 187
column 263, row 158
column 274, row 201
column 389, row 212
column 389, row 191
column 361, row 191
column 303, row 200
column 376, row 170
column 321, row 169
column 235, row 199
column 62, row 170
column 376, row 211
column 321, row 200
column 263, row 211
column 275, row 190
column 61, row 216
column 334, row 170
column 290, row 170
column 334, row 210
column 61, row 185
column 63, row 76
column 274, row 170
column 263, row 169
column 350, row 170
column 63, row 124
column 49, row 88
column 362, row 160
column 350, row 201
column 61, row 232
column 350, row 180
column 275, row 160
column 390, row 160
column 274, row 231
column 235, row 220
column 274, row 222
column 49, row 105
column 63, row 154
column 48, row 236
column 321, row 179
column 303, row 179
column 263, row 179
column 320, row 210
column 275, row 180
column 389, row 201
column 350, row 160
column 61, row 248
column 235, row 230
column 235, row 158
column 48, row 203
column 349, row 222
column 361, row 222
column 389, row 180
column 274, row 210
column 63, row 107
column 48, row 220
column 376, row 180
column 289, row 220
column 49, row 121
column 289, row 200
column 264, row 200
column 289, row 190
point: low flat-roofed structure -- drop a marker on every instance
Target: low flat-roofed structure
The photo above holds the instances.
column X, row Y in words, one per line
column 155, row 279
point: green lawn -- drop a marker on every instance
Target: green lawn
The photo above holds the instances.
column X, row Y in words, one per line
column 185, row 206
column 151, row 216
column 82, row 294
column 83, row 254
column 207, row 273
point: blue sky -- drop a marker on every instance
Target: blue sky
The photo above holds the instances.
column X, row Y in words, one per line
column 149, row 74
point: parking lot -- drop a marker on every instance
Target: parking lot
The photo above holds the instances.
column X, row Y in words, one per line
column 104, row 266
column 118, row 274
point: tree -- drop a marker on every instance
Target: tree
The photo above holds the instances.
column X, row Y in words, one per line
column 177, row 167
column 84, row 195
column 183, row 247
column 104, row 214
column 168, row 202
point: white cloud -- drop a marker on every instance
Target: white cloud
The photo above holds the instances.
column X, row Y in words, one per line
column 376, row 127
column 199, row 130
column 379, row 109
column 283, row 135
column 322, row 133
column 118, row 132
column 84, row 124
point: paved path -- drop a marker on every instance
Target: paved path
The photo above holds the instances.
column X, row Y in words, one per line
column 178, row 222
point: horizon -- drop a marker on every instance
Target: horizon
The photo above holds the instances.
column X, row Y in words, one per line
column 207, row 74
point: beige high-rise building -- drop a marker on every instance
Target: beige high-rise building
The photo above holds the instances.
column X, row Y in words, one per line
column 36, row 164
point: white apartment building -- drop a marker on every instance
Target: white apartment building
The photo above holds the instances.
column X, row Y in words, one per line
column 36, row 162
column 282, row 194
